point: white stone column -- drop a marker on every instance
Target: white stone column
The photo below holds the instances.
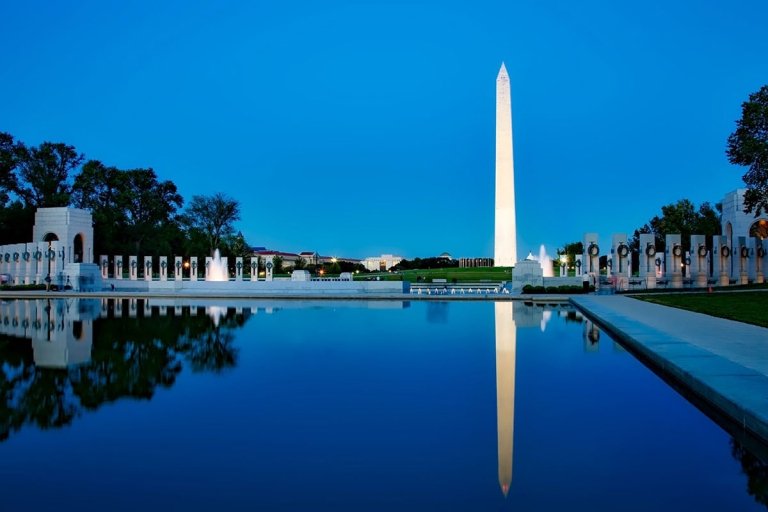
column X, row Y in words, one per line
column 269, row 265
column 722, row 262
column 193, row 268
column 648, row 258
column 118, row 266
column 163, row 268
column 104, row 264
column 758, row 252
column 225, row 266
column 699, row 260
column 579, row 264
column 674, row 255
column 133, row 267
column 208, row 260
column 742, row 253
column 178, row 266
column 133, row 306
column 238, row 269
column 26, row 258
column 622, row 264
column 147, row 267
column 255, row 268
column 592, row 254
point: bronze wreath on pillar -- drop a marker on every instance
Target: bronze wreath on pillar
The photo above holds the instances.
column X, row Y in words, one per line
column 725, row 251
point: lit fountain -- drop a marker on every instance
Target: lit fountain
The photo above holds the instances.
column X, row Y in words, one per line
column 545, row 261
column 216, row 269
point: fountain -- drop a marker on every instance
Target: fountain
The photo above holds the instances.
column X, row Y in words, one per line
column 546, row 262
column 217, row 271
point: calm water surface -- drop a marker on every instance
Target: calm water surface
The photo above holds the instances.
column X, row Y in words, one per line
column 128, row 405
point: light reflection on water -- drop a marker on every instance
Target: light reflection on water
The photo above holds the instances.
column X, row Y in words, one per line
column 396, row 392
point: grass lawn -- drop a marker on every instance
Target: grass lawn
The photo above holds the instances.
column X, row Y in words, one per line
column 460, row 274
column 748, row 307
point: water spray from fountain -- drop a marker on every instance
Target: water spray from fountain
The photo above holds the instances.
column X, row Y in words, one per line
column 217, row 271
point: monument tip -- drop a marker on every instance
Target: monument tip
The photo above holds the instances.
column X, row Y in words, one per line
column 503, row 70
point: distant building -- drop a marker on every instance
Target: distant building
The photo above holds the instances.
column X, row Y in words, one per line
column 475, row 262
column 289, row 258
column 381, row 263
column 309, row 257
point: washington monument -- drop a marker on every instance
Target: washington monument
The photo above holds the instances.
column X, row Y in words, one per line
column 505, row 239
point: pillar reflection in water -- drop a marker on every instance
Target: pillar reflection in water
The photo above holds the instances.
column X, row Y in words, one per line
column 61, row 331
column 506, row 346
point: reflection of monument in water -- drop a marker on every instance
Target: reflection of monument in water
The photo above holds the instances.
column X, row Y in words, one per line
column 61, row 331
column 510, row 316
column 506, row 345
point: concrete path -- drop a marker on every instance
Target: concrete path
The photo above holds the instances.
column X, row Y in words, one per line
column 722, row 361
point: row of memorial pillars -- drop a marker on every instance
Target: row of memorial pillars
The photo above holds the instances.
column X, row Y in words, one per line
column 176, row 270
column 743, row 261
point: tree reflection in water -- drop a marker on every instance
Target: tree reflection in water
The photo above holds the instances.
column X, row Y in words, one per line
column 130, row 358
column 756, row 470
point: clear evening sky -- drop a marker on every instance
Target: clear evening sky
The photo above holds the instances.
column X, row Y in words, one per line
column 361, row 128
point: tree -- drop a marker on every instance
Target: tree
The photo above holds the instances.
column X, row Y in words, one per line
column 150, row 208
column 213, row 216
column 44, row 173
column 680, row 218
column 7, row 165
column 98, row 188
column 748, row 145
column 571, row 250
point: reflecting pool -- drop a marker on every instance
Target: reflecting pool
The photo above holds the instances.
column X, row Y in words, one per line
column 383, row 405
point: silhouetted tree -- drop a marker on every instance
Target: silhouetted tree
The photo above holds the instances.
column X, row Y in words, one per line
column 748, row 145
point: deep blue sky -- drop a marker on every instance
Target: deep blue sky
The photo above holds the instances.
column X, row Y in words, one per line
column 357, row 128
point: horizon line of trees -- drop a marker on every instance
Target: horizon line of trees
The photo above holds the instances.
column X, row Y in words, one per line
column 134, row 211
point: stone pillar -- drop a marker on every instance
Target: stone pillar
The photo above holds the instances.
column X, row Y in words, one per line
column 104, row 265
column 762, row 259
column 620, row 254
column 579, row 263
column 163, row 268
column 225, row 266
column 563, row 268
column 592, row 253
column 193, row 264
column 133, row 305
column 269, row 265
column 255, row 269
column 178, row 265
column 238, row 269
column 674, row 255
column 119, row 305
column 699, row 260
column 39, row 257
column 208, row 260
column 118, row 266
column 722, row 261
column 133, row 267
column 742, row 253
column 26, row 257
column 648, row 259
column 147, row 308
column 755, row 260
column 147, row 268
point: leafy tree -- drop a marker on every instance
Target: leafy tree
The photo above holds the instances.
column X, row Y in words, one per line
column 99, row 188
column 277, row 265
column 44, row 173
column 213, row 216
column 150, row 207
column 748, row 145
column 571, row 250
column 681, row 218
column 7, row 165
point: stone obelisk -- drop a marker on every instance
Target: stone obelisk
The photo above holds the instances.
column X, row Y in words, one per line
column 505, row 239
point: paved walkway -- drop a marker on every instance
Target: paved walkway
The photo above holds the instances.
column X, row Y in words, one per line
column 723, row 361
